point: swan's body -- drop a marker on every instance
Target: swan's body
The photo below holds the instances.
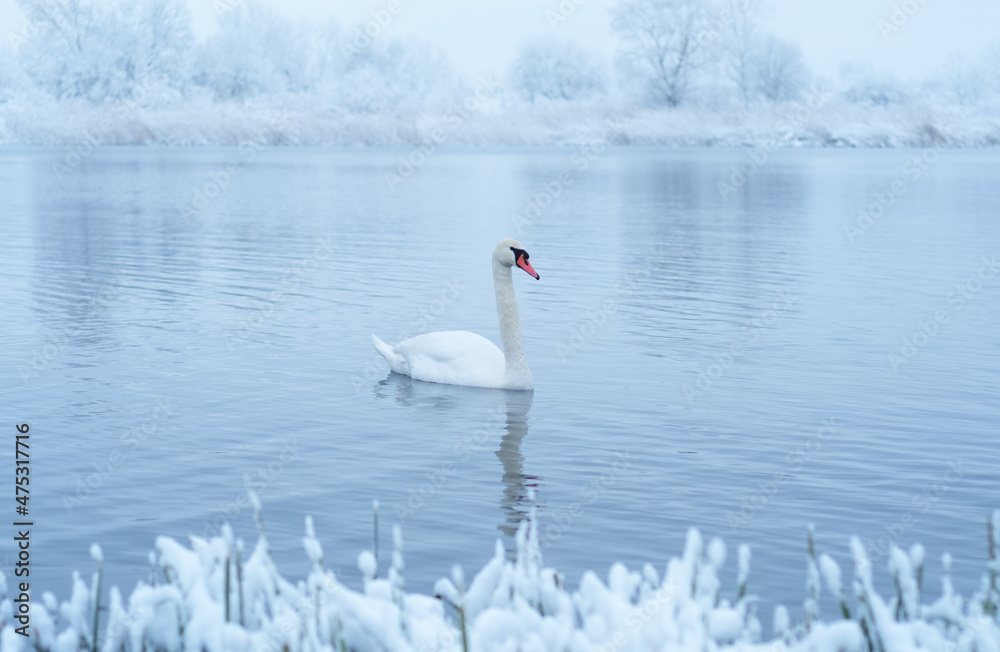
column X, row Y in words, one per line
column 464, row 358
column 452, row 357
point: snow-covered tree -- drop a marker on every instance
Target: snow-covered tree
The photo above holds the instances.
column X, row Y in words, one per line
column 740, row 43
column 398, row 75
column 863, row 84
column 759, row 65
column 326, row 62
column 557, row 71
column 779, row 71
column 659, row 44
column 968, row 81
column 162, row 42
column 105, row 50
column 67, row 55
column 965, row 81
column 13, row 81
column 255, row 51
column 990, row 62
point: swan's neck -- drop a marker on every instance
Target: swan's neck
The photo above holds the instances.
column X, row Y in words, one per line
column 510, row 327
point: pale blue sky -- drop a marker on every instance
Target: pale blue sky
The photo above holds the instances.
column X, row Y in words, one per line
column 484, row 36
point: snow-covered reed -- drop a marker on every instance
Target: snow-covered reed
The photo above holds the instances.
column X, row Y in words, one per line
column 819, row 121
column 208, row 596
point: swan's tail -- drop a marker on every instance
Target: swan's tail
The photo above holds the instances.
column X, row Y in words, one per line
column 396, row 362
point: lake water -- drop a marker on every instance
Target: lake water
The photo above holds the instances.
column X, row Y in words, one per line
column 180, row 323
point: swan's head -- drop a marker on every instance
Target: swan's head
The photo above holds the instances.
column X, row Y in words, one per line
column 510, row 252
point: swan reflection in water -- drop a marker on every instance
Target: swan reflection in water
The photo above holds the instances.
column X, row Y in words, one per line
column 515, row 503
column 514, row 405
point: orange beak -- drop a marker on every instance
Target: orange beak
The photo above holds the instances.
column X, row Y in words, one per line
column 523, row 263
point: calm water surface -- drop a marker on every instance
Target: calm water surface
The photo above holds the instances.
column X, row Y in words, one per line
column 721, row 362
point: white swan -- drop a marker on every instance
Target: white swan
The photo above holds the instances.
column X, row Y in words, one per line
column 464, row 358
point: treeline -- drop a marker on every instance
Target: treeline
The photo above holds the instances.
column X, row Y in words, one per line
column 687, row 55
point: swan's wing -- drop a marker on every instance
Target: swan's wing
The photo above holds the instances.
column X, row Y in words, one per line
column 453, row 357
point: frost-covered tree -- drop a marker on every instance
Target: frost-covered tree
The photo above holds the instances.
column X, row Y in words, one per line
column 106, row 50
column 162, row 42
column 557, row 71
column 863, row 84
column 659, row 44
column 67, row 54
column 759, row 65
column 966, row 82
column 990, row 62
column 740, row 44
column 398, row 75
column 326, row 63
column 12, row 80
column 255, row 51
column 779, row 71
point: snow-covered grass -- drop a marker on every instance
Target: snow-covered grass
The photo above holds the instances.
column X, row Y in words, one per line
column 211, row 596
column 821, row 121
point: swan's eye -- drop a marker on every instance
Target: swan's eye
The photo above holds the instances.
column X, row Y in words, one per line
column 520, row 252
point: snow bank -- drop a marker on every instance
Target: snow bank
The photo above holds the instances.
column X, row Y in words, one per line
column 818, row 121
column 212, row 598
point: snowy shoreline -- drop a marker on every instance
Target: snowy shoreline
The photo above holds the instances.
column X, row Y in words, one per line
column 211, row 596
column 812, row 124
